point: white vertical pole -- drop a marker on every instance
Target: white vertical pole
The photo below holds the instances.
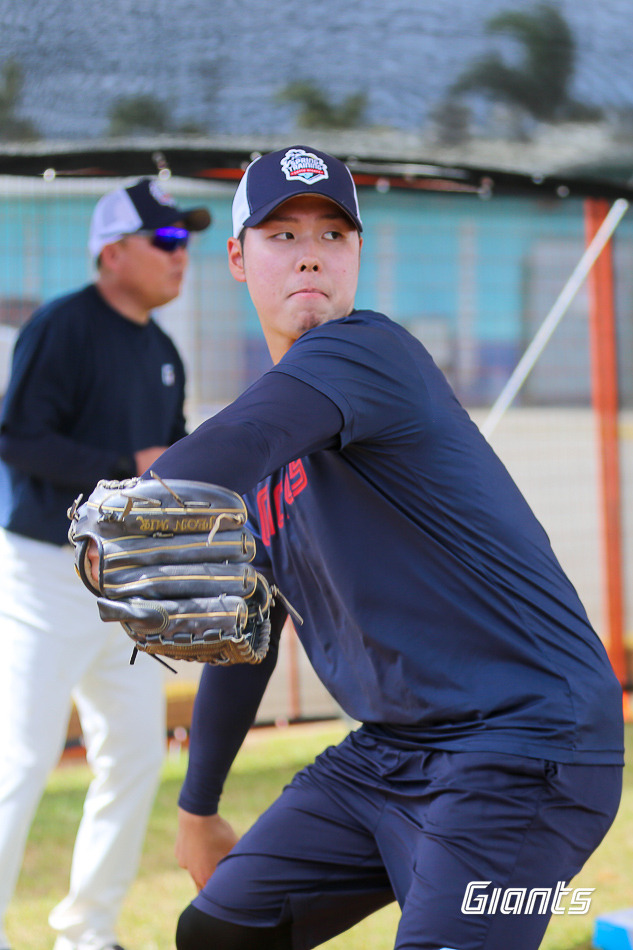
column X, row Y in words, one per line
column 466, row 360
column 553, row 318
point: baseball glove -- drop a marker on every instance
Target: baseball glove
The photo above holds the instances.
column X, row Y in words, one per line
column 174, row 568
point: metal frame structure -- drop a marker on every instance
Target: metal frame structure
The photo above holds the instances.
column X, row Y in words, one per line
column 606, row 203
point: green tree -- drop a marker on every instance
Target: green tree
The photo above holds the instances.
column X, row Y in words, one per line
column 13, row 128
column 451, row 120
column 541, row 84
column 317, row 111
column 145, row 115
column 138, row 115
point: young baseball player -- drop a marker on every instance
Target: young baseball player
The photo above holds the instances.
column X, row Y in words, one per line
column 488, row 764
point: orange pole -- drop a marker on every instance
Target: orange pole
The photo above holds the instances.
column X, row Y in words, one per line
column 604, row 381
column 294, row 688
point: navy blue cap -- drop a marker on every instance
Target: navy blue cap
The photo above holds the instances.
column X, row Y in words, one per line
column 274, row 178
column 157, row 209
column 143, row 206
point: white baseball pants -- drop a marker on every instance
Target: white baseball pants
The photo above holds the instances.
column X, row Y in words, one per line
column 54, row 648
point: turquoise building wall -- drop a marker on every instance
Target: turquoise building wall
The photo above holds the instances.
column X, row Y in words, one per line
column 471, row 277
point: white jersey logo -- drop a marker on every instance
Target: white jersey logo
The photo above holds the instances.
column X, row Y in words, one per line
column 297, row 164
column 168, row 374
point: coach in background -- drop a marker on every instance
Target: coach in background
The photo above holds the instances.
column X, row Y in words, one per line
column 96, row 391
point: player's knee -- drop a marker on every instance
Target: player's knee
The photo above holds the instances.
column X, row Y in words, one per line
column 198, row 931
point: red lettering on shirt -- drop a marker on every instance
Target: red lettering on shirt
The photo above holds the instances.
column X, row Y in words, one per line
column 271, row 515
column 267, row 525
column 288, row 490
column 298, row 477
column 277, row 496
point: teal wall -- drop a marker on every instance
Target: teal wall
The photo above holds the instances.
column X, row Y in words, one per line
column 456, row 264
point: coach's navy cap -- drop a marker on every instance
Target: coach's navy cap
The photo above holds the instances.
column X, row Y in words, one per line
column 278, row 176
column 143, row 206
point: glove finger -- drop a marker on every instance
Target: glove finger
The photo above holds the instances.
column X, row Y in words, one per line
column 146, row 507
column 128, row 551
column 143, row 615
column 170, row 617
column 262, row 595
column 177, row 581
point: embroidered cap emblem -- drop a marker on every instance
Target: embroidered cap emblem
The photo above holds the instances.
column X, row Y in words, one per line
column 159, row 195
column 297, row 164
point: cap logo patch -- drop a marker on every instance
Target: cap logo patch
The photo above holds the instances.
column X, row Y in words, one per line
column 159, row 195
column 299, row 165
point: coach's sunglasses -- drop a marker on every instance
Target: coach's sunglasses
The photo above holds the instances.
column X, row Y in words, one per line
column 167, row 239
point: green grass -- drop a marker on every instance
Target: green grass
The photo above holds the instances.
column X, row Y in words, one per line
column 267, row 761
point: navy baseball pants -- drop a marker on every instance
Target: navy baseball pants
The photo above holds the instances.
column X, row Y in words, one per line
column 369, row 822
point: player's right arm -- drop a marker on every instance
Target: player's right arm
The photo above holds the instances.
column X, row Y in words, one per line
column 202, row 841
column 224, row 710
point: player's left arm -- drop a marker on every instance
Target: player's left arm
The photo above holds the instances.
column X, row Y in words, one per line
column 277, row 420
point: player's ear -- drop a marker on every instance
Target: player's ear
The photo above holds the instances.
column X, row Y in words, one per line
column 111, row 254
column 236, row 259
column 108, row 255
